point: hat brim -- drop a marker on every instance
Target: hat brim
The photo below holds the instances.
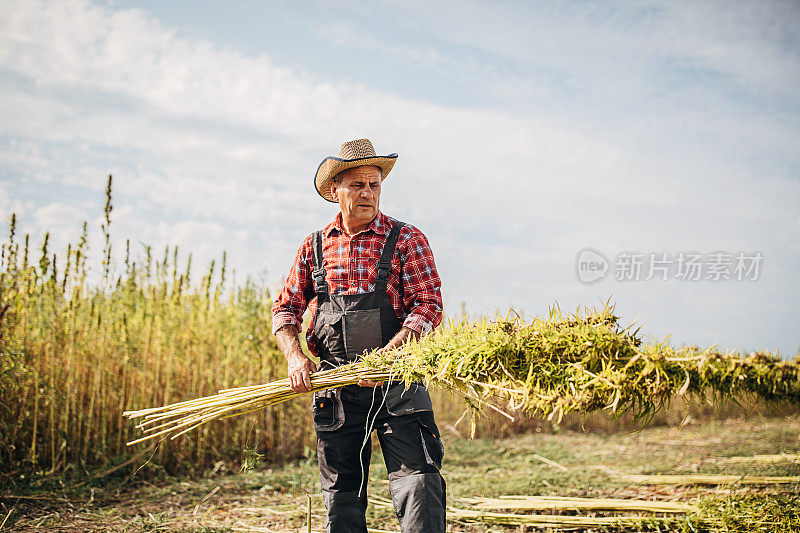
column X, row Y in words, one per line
column 331, row 166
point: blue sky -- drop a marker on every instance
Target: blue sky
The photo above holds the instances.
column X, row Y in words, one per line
column 527, row 132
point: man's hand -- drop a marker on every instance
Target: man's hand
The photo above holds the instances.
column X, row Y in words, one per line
column 299, row 365
column 300, row 370
column 402, row 336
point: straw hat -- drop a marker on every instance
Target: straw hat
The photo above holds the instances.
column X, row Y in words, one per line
column 352, row 154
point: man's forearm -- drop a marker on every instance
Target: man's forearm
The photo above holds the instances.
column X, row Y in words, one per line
column 404, row 335
column 299, row 366
column 289, row 342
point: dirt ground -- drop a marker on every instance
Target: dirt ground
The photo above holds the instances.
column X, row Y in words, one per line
column 567, row 464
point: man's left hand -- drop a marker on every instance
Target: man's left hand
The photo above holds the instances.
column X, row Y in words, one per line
column 402, row 336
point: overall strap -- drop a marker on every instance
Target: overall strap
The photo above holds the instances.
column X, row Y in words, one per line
column 385, row 262
column 318, row 272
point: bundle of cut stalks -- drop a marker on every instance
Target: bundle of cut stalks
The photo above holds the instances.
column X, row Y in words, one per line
column 550, row 367
column 179, row 418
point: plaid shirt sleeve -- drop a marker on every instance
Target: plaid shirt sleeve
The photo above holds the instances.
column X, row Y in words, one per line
column 293, row 299
column 422, row 288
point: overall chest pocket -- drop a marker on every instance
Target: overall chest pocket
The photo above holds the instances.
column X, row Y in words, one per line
column 329, row 332
column 362, row 331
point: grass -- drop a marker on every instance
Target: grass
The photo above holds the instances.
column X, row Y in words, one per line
column 273, row 498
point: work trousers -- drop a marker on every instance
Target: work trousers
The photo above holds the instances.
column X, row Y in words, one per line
column 412, row 450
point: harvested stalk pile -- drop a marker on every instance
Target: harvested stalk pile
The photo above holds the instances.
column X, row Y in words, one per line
column 549, row 367
column 485, row 517
column 709, row 479
column 739, row 513
column 565, row 503
column 777, row 458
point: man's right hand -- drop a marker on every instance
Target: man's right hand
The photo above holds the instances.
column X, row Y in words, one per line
column 300, row 370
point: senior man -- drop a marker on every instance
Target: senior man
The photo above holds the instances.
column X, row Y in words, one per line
column 370, row 282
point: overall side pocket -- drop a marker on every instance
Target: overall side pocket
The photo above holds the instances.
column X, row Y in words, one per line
column 402, row 401
column 431, row 443
column 328, row 410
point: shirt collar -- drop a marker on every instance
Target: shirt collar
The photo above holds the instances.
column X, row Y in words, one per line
column 379, row 225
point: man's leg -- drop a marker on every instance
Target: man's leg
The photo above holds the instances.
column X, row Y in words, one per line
column 340, row 470
column 413, row 452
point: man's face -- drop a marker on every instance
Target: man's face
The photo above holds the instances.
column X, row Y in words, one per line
column 358, row 194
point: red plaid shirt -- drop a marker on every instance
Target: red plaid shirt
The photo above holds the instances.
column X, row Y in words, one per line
column 351, row 266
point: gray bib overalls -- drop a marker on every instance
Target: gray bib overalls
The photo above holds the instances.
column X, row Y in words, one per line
column 345, row 326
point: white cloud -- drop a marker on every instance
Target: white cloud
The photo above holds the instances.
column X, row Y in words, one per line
column 613, row 44
column 57, row 216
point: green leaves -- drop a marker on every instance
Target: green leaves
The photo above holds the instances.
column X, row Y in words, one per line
column 580, row 363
